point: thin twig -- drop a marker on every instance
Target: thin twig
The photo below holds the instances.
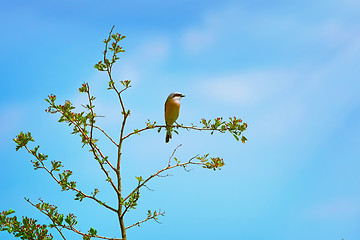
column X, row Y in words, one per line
column 167, row 175
column 106, row 135
column 92, row 126
column 162, row 170
column 91, row 129
column 148, row 188
column 147, row 219
column 173, row 153
column 106, row 47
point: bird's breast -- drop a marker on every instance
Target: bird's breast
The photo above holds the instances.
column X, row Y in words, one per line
column 172, row 108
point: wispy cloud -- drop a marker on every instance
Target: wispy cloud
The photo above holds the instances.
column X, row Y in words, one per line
column 138, row 63
column 213, row 24
column 333, row 209
column 248, row 88
column 234, row 22
column 10, row 119
column 288, row 99
column 156, row 48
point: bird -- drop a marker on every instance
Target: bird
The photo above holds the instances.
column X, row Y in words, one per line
column 172, row 109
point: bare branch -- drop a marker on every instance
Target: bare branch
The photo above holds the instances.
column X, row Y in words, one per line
column 173, row 153
column 148, row 188
column 106, row 135
column 167, row 175
column 186, row 170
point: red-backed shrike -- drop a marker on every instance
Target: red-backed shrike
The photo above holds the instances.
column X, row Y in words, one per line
column 172, row 109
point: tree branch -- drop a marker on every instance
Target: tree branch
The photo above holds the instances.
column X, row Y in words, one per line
column 93, row 147
column 91, row 142
column 72, row 188
column 177, row 126
column 125, row 115
column 162, row 170
column 106, row 135
column 68, row 227
column 147, row 219
column 173, row 154
column 54, row 223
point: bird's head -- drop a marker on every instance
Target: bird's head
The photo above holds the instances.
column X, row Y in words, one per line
column 175, row 95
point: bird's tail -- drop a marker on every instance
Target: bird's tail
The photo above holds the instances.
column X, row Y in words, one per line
column 168, row 134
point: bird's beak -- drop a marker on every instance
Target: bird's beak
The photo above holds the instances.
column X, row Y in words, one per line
column 182, row 95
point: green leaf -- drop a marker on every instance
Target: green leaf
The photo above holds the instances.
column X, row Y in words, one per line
column 22, row 139
column 140, row 179
column 236, row 137
column 92, row 232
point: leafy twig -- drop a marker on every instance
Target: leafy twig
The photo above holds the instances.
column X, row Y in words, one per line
column 235, row 126
column 57, row 219
column 70, row 117
column 150, row 216
column 178, row 164
column 64, row 184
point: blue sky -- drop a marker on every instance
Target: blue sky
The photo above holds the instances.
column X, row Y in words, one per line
column 287, row 68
